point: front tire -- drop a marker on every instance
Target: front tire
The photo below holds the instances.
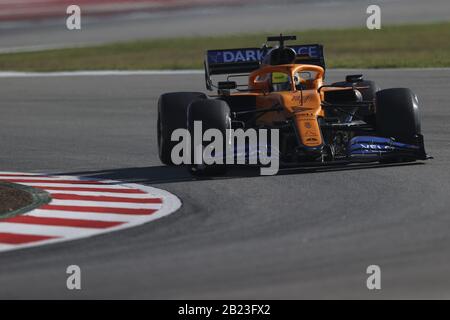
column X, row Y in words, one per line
column 172, row 111
column 397, row 114
column 213, row 114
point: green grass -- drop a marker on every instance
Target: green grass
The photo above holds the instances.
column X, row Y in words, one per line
column 425, row 45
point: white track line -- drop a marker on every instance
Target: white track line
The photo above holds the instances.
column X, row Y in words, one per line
column 9, row 173
column 46, row 178
column 70, row 185
column 86, row 203
column 83, row 215
column 40, row 177
column 6, row 247
column 14, row 74
column 40, row 230
column 104, row 194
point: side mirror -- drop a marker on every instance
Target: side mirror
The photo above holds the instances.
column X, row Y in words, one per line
column 352, row 78
column 226, row 85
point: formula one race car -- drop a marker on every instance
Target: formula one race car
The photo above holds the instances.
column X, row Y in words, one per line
column 344, row 122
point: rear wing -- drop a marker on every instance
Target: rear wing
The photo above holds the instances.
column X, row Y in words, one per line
column 246, row 60
column 309, row 54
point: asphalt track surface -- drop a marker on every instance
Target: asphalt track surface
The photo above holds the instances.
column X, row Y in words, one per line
column 300, row 234
column 269, row 16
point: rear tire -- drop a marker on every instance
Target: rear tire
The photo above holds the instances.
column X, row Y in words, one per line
column 397, row 114
column 172, row 115
column 214, row 114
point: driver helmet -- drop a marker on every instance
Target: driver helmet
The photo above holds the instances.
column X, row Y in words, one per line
column 281, row 81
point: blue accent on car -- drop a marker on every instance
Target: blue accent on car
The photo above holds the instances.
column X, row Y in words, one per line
column 250, row 153
column 371, row 145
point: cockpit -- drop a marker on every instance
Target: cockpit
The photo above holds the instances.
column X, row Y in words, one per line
column 279, row 81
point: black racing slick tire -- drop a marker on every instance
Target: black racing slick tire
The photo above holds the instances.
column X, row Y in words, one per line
column 397, row 114
column 213, row 114
column 172, row 115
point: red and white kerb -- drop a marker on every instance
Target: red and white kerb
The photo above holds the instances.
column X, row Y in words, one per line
column 81, row 208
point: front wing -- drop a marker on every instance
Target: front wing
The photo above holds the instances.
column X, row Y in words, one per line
column 378, row 148
column 360, row 149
